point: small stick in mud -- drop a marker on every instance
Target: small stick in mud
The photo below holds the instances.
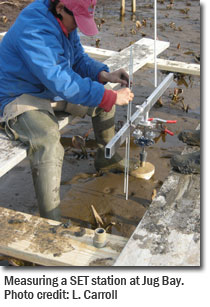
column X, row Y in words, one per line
column 79, row 143
column 122, row 9
column 98, row 219
column 110, row 225
column 133, row 6
column 154, row 194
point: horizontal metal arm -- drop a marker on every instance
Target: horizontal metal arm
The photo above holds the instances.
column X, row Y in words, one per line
column 120, row 137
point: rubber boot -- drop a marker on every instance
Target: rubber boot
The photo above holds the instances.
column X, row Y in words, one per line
column 190, row 137
column 104, row 129
column 187, row 163
column 46, row 178
column 46, row 158
column 39, row 131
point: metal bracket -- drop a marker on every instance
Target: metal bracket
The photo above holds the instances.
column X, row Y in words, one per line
column 142, row 111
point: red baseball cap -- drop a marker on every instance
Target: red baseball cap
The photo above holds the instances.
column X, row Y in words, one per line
column 83, row 11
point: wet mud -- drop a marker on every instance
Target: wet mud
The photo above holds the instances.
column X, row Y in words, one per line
column 178, row 23
column 105, row 191
column 45, row 238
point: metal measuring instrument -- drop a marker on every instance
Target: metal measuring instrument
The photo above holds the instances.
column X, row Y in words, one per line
column 140, row 119
column 129, row 110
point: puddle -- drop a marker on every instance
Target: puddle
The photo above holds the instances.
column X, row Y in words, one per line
column 106, row 193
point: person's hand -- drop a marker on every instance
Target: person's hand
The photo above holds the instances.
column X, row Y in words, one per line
column 118, row 76
column 124, row 96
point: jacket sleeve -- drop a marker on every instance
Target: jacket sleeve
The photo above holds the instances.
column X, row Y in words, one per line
column 83, row 64
column 43, row 54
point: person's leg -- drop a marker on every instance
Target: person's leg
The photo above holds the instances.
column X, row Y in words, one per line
column 103, row 125
column 104, row 130
column 39, row 130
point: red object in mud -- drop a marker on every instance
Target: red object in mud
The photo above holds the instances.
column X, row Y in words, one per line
column 162, row 120
column 168, row 131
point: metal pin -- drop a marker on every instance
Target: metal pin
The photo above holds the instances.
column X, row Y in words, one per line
column 129, row 110
column 155, row 39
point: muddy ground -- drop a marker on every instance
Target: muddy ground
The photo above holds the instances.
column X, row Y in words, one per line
column 178, row 23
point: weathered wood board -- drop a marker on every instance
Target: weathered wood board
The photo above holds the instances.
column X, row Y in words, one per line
column 99, row 53
column 162, row 64
column 143, row 52
column 176, row 66
column 11, row 153
column 47, row 243
column 169, row 233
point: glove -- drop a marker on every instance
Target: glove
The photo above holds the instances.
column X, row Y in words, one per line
column 118, row 76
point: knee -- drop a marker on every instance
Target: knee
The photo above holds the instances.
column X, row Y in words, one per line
column 47, row 146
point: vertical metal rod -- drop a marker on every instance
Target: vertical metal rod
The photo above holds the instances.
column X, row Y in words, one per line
column 155, row 39
column 126, row 167
column 129, row 110
column 126, row 174
column 130, row 80
column 128, row 160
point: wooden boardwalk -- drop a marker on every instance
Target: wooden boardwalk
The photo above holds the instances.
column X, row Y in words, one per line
column 169, row 233
column 47, row 242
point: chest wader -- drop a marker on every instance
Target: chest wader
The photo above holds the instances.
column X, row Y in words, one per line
column 39, row 130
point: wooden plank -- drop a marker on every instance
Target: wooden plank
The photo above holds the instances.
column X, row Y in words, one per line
column 45, row 242
column 176, row 66
column 172, row 66
column 122, row 9
column 99, row 53
column 143, row 52
column 11, row 153
column 169, row 233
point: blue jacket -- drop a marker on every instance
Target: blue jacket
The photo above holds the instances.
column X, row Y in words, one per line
column 37, row 58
